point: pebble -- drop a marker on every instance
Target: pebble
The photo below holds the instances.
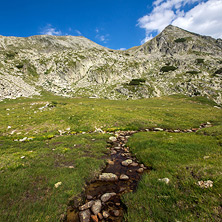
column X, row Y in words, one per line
column 87, row 205
column 96, row 207
column 105, row 197
column 89, row 197
column 124, row 177
column 84, row 216
column 127, row 162
column 108, row 177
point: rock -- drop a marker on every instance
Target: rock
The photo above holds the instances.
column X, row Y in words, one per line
column 127, row 162
column 116, row 213
column 96, row 207
column 205, row 184
column 84, row 216
column 58, row 184
column 105, row 214
column 113, row 139
column 158, row 129
column 113, row 152
column 142, row 165
column 22, row 157
column 124, row 177
column 165, row 180
column 117, row 148
column 140, row 170
column 87, row 205
column 108, row 177
column 105, row 197
column 94, row 218
column 206, row 157
column 110, row 162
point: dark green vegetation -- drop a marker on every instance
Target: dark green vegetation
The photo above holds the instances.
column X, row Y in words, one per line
column 219, row 71
column 27, row 186
column 180, row 40
column 168, row 68
column 185, row 159
column 193, row 72
column 137, row 81
column 27, row 191
column 199, row 61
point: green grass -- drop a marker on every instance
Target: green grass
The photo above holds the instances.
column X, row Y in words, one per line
column 26, row 119
column 185, row 159
column 27, row 190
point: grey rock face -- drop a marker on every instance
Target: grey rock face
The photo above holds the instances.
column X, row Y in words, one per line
column 75, row 66
column 84, row 216
column 96, row 207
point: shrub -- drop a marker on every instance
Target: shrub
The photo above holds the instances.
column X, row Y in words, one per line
column 193, row 72
column 180, row 40
column 20, row 66
column 137, row 81
column 199, row 61
column 219, row 71
column 168, row 68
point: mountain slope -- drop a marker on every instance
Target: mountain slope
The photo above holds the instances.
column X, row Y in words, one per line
column 175, row 61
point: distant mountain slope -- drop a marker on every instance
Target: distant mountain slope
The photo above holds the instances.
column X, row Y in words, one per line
column 175, row 61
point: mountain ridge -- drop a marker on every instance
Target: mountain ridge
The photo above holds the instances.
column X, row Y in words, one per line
column 175, row 61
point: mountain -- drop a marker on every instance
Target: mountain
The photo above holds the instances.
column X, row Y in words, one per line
column 175, row 61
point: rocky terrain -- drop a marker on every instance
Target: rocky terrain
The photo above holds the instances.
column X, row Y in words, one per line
column 175, row 61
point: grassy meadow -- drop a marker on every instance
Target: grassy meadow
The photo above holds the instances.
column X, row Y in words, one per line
column 58, row 148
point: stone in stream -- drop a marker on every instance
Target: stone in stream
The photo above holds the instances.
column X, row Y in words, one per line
column 113, row 152
column 134, row 164
column 124, row 177
column 140, row 170
column 116, row 213
column 105, row 197
column 105, row 214
column 96, row 207
column 84, row 216
column 94, row 218
column 117, row 148
column 158, row 129
column 100, row 216
column 87, row 205
column 127, row 162
column 108, row 177
column 113, row 139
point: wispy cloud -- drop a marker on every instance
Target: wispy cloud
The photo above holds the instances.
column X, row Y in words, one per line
column 50, row 30
column 203, row 17
column 78, row 32
column 101, row 37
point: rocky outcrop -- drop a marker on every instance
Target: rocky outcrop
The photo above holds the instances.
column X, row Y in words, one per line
column 175, row 61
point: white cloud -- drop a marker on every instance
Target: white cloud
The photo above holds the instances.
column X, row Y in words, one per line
column 122, row 49
column 50, row 30
column 204, row 18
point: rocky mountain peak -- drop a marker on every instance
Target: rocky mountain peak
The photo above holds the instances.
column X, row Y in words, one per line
column 175, row 61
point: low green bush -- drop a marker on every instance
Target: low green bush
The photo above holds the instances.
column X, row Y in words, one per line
column 137, row 81
column 180, row 40
column 168, row 68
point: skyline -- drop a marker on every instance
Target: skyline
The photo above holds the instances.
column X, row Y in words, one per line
column 116, row 24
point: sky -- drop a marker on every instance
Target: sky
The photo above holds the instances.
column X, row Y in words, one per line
column 116, row 24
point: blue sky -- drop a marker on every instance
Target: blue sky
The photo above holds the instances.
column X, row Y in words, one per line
column 112, row 23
